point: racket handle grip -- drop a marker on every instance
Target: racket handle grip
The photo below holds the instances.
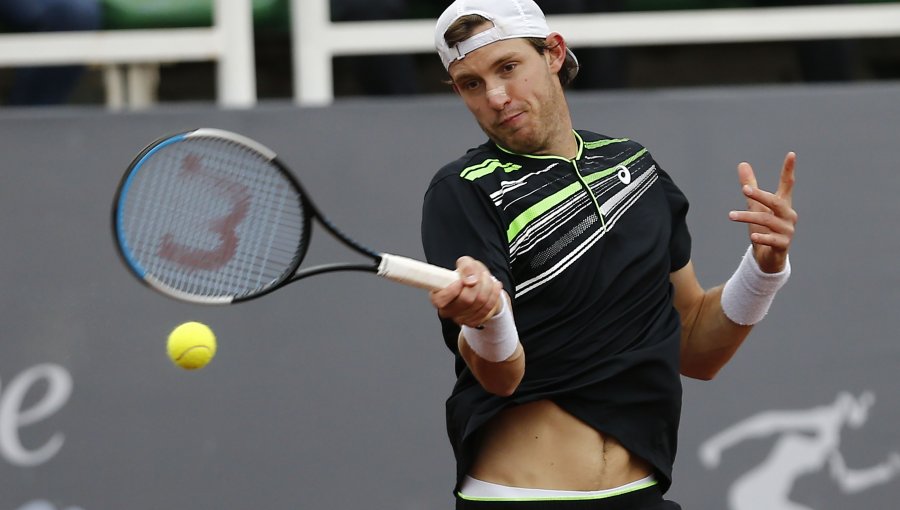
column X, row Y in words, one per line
column 415, row 273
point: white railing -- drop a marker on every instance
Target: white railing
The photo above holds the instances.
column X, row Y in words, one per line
column 229, row 42
column 316, row 39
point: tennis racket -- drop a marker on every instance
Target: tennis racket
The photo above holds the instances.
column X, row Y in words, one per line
column 212, row 217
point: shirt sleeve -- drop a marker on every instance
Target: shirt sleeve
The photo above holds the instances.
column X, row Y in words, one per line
column 458, row 218
column 680, row 240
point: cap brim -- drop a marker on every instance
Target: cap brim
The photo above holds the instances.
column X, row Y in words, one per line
column 572, row 64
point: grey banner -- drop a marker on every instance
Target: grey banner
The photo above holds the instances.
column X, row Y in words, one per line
column 329, row 393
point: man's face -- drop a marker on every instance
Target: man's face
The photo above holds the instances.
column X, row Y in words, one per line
column 514, row 94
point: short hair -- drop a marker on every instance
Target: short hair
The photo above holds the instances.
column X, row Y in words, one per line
column 465, row 26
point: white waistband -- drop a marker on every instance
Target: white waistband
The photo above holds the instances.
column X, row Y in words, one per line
column 475, row 489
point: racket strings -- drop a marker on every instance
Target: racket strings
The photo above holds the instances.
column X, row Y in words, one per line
column 210, row 217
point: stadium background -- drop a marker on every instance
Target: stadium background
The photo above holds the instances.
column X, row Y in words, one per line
column 329, row 394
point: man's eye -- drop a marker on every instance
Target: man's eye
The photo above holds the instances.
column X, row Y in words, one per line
column 508, row 68
column 470, row 85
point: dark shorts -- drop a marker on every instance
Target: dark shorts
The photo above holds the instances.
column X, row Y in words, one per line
column 644, row 499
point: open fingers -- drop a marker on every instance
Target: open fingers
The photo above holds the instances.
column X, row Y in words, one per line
column 785, row 190
column 786, row 183
column 759, row 200
column 775, row 241
column 746, row 175
column 748, row 183
column 766, row 228
column 770, row 217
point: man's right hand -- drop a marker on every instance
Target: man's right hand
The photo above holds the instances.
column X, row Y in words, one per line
column 471, row 300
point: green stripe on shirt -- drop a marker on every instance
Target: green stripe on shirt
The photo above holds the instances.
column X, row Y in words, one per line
column 487, row 167
column 528, row 215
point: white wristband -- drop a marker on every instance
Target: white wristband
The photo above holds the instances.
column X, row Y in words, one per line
column 496, row 340
column 750, row 291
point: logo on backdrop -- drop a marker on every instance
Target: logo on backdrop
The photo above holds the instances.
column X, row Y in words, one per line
column 15, row 416
column 807, row 441
column 40, row 504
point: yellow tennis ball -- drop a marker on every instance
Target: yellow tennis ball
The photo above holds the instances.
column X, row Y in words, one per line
column 191, row 345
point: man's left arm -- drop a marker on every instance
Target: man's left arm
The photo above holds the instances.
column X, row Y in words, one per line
column 716, row 321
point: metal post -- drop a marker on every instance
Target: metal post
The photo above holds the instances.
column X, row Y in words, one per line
column 313, row 74
column 236, row 70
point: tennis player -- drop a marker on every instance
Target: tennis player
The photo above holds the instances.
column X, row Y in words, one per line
column 578, row 305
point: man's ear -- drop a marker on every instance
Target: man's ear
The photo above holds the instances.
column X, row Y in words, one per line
column 556, row 52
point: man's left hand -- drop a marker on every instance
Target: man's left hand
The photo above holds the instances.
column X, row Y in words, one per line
column 770, row 216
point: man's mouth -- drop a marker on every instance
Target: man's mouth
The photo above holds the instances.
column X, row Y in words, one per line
column 509, row 119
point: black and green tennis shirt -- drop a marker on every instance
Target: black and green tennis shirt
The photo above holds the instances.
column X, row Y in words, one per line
column 584, row 247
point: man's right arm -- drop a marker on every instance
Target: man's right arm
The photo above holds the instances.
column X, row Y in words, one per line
column 474, row 302
column 500, row 378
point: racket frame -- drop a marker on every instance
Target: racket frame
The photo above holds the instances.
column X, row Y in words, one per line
column 292, row 272
column 397, row 268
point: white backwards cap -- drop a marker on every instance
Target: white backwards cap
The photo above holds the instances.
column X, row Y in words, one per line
column 511, row 19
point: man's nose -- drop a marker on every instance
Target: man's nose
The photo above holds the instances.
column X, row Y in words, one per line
column 497, row 97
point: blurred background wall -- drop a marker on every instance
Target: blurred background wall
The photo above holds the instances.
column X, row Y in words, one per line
column 329, row 394
column 872, row 55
